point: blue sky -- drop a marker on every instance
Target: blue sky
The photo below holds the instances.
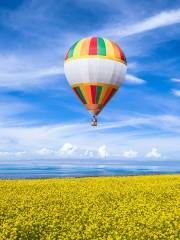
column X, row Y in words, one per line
column 40, row 117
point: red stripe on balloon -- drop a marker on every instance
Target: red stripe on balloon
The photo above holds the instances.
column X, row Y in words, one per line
column 66, row 57
column 122, row 54
column 110, row 95
column 93, row 49
column 93, row 94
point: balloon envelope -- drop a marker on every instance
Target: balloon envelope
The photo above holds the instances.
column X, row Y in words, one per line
column 95, row 68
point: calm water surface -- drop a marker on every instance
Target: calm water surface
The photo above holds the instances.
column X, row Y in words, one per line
column 80, row 168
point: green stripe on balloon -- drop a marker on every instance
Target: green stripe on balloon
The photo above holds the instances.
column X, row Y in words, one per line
column 101, row 47
column 81, row 95
column 98, row 93
column 71, row 52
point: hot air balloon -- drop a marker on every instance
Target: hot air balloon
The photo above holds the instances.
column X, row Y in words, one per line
column 95, row 68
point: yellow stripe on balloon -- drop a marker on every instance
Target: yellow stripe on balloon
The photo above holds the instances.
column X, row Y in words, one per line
column 116, row 51
column 78, row 48
column 104, row 92
column 85, row 47
column 104, row 100
column 87, row 93
column 109, row 49
column 105, row 96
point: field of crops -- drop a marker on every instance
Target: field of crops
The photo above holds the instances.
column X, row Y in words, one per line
column 137, row 207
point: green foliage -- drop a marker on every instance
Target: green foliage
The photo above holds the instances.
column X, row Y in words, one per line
column 109, row 208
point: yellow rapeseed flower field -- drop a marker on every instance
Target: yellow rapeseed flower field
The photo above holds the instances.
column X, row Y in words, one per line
column 109, row 208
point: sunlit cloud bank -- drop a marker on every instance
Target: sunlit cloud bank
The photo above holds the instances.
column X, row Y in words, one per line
column 80, row 140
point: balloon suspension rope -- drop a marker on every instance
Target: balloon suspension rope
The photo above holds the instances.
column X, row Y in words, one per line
column 94, row 121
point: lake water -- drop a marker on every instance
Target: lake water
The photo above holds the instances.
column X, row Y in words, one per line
column 79, row 168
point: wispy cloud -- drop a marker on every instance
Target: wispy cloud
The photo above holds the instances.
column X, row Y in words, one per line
column 78, row 137
column 134, row 80
column 159, row 20
column 20, row 72
column 11, row 108
column 39, row 69
column 176, row 80
column 38, row 59
column 176, row 92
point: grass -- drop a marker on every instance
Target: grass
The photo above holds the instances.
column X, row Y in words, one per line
column 135, row 207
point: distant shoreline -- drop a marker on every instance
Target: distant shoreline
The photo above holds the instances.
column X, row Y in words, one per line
column 90, row 176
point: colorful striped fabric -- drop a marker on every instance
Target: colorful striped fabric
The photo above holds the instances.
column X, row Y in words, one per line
column 96, row 47
column 94, row 96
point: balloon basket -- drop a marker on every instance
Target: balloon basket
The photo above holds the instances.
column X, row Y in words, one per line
column 94, row 121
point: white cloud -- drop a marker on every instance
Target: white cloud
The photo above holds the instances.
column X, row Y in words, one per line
column 133, row 132
column 89, row 153
column 20, row 154
column 177, row 80
column 130, row 154
column 67, row 149
column 45, row 151
column 176, row 92
column 19, row 72
column 154, row 153
column 159, row 20
column 4, row 154
column 11, row 155
column 103, row 152
column 134, row 80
